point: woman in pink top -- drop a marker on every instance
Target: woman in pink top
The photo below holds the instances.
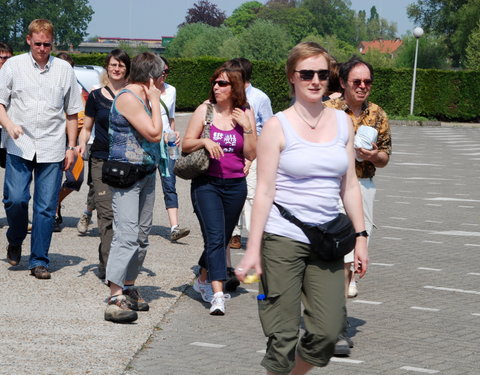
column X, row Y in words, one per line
column 306, row 164
column 219, row 194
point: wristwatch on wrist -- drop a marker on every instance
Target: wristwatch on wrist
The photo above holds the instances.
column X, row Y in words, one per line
column 361, row 234
column 248, row 131
column 70, row 148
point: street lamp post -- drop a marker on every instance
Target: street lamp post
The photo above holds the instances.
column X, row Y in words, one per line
column 417, row 33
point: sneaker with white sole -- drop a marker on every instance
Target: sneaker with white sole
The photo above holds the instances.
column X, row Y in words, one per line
column 352, row 290
column 83, row 223
column 204, row 288
column 117, row 310
column 218, row 303
column 178, row 233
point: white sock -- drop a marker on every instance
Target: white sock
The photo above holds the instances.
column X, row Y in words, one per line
column 173, row 228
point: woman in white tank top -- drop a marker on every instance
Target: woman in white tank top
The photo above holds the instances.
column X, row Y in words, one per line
column 305, row 163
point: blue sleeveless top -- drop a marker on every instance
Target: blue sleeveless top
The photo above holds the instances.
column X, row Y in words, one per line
column 126, row 144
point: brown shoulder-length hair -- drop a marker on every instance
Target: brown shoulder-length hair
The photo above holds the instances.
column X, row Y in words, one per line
column 237, row 82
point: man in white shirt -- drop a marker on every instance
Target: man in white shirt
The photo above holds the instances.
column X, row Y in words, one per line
column 37, row 91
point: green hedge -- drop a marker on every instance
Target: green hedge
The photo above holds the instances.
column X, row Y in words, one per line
column 439, row 94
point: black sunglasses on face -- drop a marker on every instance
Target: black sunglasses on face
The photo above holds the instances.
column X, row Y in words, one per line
column 5, row 57
column 221, row 83
column 39, row 44
column 307, row 75
column 166, row 71
column 358, row 82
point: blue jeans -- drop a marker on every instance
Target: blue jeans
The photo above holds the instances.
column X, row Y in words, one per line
column 168, row 186
column 16, row 195
column 217, row 202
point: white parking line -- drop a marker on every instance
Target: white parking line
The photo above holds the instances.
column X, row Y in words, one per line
column 206, row 345
column 263, row 351
column 345, row 360
column 472, row 244
column 427, row 241
column 392, row 238
column 476, row 314
column 402, row 202
column 419, row 369
column 474, row 273
column 434, row 204
column 367, row 302
column 466, row 206
column 423, row 308
column 382, row 264
column 452, row 290
column 398, row 218
column 429, row 269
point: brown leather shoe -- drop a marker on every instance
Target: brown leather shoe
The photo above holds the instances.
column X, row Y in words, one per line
column 14, row 254
column 40, row 272
column 235, row 242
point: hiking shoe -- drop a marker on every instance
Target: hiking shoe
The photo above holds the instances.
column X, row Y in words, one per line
column 218, row 303
column 178, row 233
column 83, row 222
column 342, row 348
column 235, row 242
column 352, row 290
column 57, row 223
column 204, row 288
column 14, row 254
column 135, row 300
column 117, row 310
column 40, row 272
column 232, row 282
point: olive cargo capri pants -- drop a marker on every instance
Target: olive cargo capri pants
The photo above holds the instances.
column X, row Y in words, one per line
column 292, row 275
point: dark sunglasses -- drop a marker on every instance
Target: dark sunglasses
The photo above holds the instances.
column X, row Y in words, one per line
column 358, row 82
column 307, row 75
column 166, row 71
column 221, row 83
column 5, row 57
column 39, row 44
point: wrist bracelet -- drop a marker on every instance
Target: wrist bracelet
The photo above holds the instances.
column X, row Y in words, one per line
column 70, row 148
column 248, row 131
column 361, row 234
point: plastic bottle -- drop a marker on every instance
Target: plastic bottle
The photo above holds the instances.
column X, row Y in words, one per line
column 172, row 147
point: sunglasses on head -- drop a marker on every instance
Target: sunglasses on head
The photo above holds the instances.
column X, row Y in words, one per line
column 307, row 75
column 39, row 44
column 221, row 83
column 358, row 82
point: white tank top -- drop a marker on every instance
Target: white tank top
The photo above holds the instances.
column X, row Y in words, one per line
column 308, row 179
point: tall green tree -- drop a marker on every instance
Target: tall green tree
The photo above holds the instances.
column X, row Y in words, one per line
column 454, row 20
column 432, row 53
column 473, row 50
column 333, row 17
column 243, row 16
column 337, row 48
column 298, row 22
column 69, row 17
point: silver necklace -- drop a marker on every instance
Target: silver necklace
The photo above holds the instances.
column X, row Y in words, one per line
column 306, row 122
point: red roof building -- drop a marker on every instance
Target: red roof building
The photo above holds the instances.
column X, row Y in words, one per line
column 384, row 46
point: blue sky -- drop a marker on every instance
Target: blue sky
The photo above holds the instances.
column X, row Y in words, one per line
column 152, row 19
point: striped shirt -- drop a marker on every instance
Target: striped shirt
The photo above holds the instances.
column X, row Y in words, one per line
column 37, row 100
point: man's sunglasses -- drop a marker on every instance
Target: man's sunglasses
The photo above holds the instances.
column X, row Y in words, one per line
column 221, row 83
column 166, row 71
column 307, row 75
column 358, row 82
column 5, row 58
column 39, row 44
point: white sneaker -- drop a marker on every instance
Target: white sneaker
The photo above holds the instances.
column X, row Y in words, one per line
column 205, row 289
column 82, row 225
column 218, row 303
column 352, row 290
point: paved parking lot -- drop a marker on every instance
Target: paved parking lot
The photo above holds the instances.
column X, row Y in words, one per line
column 418, row 309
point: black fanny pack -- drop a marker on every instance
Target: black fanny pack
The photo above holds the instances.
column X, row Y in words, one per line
column 332, row 240
column 123, row 175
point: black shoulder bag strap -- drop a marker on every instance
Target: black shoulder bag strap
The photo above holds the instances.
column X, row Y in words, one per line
column 110, row 91
column 287, row 215
column 165, row 108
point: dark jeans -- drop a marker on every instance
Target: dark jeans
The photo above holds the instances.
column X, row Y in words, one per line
column 217, row 202
column 168, row 186
column 16, row 195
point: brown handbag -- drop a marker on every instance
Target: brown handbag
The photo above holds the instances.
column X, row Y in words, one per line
column 193, row 164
